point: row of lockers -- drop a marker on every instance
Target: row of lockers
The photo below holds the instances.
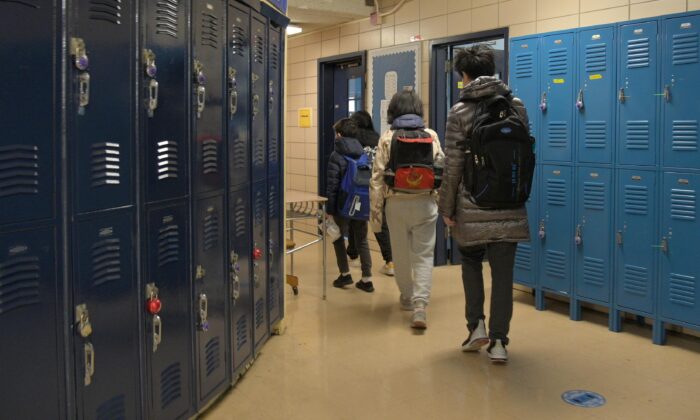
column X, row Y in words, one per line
column 141, row 229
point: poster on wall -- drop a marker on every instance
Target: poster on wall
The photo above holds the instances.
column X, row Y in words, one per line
column 390, row 70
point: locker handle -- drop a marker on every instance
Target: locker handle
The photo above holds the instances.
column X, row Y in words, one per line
column 621, row 96
column 579, row 100
column 152, row 97
column 233, row 91
column 82, row 318
column 157, row 332
column 542, row 233
column 579, row 235
column 203, row 312
column 201, row 100
column 89, row 352
column 543, row 102
column 663, row 246
column 233, row 102
column 235, row 287
column 79, row 53
column 667, row 93
column 83, row 91
column 618, row 237
column 256, row 105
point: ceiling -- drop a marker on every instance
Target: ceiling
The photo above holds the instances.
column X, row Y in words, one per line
column 316, row 14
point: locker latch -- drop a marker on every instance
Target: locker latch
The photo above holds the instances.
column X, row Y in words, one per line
column 157, row 332
column 542, row 232
column 256, row 105
column 579, row 100
column 543, row 102
column 200, row 272
column 81, row 62
column 235, row 280
column 200, row 90
column 83, row 92
column 149, row 59
column 203, row 313
column 233, row 92
column 663, row 245
column 82, row 318
column 667, row 93
column 618, row 238
column 579, row 235
column 271, row 250
column 621, row 96
column 89, row 353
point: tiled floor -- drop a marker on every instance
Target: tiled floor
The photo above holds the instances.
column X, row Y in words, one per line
column 353, row 356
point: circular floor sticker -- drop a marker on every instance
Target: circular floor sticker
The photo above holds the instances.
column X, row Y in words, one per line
column 581, row 398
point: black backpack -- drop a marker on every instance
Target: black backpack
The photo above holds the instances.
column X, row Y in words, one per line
column 500, row 161
column 412, row 167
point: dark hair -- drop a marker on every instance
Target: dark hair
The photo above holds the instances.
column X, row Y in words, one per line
column 346, row 127
column 363, row 120
column 404, row 102
column 475, row 61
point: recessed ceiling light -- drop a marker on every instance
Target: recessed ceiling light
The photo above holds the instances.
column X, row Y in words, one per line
column 293, row 30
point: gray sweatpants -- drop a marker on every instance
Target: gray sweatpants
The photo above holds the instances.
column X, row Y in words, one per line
column 412, row 225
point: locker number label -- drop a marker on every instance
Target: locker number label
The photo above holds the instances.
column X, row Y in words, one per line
column 558, row 81
column 595, row 77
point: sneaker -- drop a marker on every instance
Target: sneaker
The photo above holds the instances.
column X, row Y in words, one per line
column 342, row 281
column 419, row 319
column 365, row 286
column 477, row 338
column 355, row 262
column 497, row 352
column 387, row 269
column 405, row 303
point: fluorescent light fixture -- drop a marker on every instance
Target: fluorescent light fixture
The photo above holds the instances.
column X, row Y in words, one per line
column 293, row 30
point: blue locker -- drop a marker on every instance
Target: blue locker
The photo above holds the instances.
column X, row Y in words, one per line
column 595, row 100
column 527, row 254
column 259, row 90
column 168, row 333
column 637, row 87
column 681, row 78
column 275, row 100
column 105, row 317
column 524, row 78
column 556, row 224
column 238, row 92
column 259, row 250
column 635, row 235
column 592, row 235
column 680, row 234
column 557, row 97
column 275, row 252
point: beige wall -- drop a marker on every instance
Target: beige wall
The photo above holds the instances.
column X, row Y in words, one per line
column 432, row 19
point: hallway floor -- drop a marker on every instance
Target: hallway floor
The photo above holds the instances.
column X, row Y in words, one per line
column 354, row 356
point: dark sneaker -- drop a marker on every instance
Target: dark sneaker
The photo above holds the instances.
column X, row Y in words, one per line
column 497, row 352
column 477, row 338
column 365, row 286
column 342, row 281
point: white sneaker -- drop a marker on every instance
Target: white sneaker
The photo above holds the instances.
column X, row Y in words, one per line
column 419, row 320
column 497, row 352
column 477, row 338
column 387, row 269
column 405, row 303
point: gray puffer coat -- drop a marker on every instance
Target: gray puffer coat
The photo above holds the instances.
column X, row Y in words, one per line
column 475, row 226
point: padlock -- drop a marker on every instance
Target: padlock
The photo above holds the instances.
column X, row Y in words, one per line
column 257, row 253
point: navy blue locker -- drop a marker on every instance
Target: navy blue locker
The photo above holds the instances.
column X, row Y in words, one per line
column 238, row 94
column 275, row 252
column 101, row 41
column 259, row 250
column 275, row 100
column 680, row 267
column 241, row 278
column 210, row 299
column 527, row 254
column 525, row 78
column 208, row 50
column 259, row 90
column 556, row 224
column 168, row 333
column 28, row 320
column 164, row 77
column 595, row 100
column 592, row 235
column 638, row 75
column 557, row 97
column 635, row 236
column 105, row 316
column 681, row 78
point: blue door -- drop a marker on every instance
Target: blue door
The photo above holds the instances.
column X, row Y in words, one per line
column 275, row 100
column 259, row 90
column 259, row 263
column 637, row 86
column 592, row 234
column 275, row 252
column 525, row 79
column 681, row 78
column 556, row 217
column 635, row 235
column 527, row 254
column 239, row 92
column 680, row 233
column 557, row 97
column 595, row 97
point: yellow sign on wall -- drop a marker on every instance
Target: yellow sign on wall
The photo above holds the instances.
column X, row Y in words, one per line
column 305, row 117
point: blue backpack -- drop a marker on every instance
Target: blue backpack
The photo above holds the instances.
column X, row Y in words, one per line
column 354, row 188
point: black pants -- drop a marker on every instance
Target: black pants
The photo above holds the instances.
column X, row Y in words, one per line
column 356, row 229
column 501, row 260
column 383, row 239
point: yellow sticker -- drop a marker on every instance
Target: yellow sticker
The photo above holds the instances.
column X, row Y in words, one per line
column 558, row 81
column 460, row 85
column 595, row 76
column 305, row 117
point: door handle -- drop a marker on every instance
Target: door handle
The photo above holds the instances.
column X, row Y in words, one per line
column 621, row 96
column 89, row 353
column 201, row 100
column 203, row 313
column 233, row 92
column 157, row 332
column 152, row 97
column 618, row 238
column 579, row 100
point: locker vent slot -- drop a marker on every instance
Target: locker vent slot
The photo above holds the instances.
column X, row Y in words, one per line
column 239, row 154
column 596, row 134
column 596, row 57
column 167, row 17
column 211, row 231
column 558, row 61
column 167, row 160
column 685, row 135
column 106, row 10
column 106, row 164
column 22, row 3
column 259, row 209
column 636, row 281
column 683, row 204
column 259, row 51
column 556, row 264
column 240, row 219
column 168, row 245
column 170, row 385
column 594, row 195
column 106, row 261
column 523, row 257
column 274, row 56
column 556, row 192
column 210, row 30
column 259, row 312
column 112, row 409
column 210, row 157
column 524, row 65
column 638, row 53
column 594, row 271
column 19, row 283
column 238, row 40
column 241, row 332
column 259, row 153
column 685, row 48
column 213, row 355
column 681, row 290
column 637, row 137
column 636, row 200
column 19, row 170
column 273, row 151
column 558, row 134
column 272, row 202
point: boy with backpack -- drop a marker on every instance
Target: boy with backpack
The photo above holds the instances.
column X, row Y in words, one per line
column 347, row 191
column 488, row 176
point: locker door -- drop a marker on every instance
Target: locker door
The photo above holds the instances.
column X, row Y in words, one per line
column 524, row 79
column 592, row 236
column 275, row 99
column 210, row 297
column 259, row 90
column 101, row 105
column 27, row 143
column 164, row 77
column 681, row 78
column 556, row 217
column 275, row 254
column 680, row 268
column 105, row 316
column 239, row 92
column 168, row 332
column 241, row 284
column 28, row 299
column 637, row 84
column 557, row 97
column 527, row 254
column 209, row 34
column 596, row 95
column 635, row 232
column 259, row 254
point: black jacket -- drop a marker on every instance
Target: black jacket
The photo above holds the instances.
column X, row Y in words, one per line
column 337, row 165
column 367, row 137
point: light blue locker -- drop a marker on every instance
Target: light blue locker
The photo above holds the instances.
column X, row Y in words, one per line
column 555, row 228
column 681, row 79
column 524, row 78
column 595, row 98
column 526, row 256
column 637, row 94
column 557, row 97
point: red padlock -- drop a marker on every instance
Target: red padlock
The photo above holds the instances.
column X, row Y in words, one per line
column 257, row 253
column 153, row 306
